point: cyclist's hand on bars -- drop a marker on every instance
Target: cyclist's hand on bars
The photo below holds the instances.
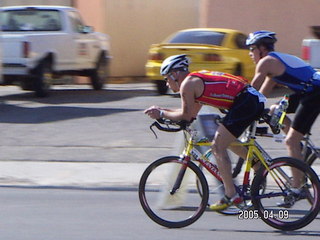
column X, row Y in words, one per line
column 153, row 112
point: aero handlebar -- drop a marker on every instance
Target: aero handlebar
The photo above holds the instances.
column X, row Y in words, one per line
column 169, row 125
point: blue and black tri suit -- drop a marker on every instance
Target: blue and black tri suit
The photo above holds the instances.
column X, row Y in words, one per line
column 305, row 82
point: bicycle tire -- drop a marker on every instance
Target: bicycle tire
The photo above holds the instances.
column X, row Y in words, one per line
column 165, row 208
column 293, row 213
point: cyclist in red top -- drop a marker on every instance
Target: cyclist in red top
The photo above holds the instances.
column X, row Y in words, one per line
column 220, row 90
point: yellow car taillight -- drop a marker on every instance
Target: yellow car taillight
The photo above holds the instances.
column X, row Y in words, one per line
column 156, row 56
column 212, row 57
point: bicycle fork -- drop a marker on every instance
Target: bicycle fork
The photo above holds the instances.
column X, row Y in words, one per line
column 182, row 171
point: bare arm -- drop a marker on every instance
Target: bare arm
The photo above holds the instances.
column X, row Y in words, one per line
column 267, row 86
column 262, row 80
column 189, row 107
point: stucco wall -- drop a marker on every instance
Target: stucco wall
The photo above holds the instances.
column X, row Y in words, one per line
column 35, row 2
column 290, row 19
column 135, row 24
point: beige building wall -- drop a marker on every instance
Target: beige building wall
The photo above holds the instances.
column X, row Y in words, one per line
column 35, row 2
column 135, row 24
column 93, row 13
column 290, row 19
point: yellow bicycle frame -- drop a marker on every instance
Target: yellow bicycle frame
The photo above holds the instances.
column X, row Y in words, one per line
column 255, row 151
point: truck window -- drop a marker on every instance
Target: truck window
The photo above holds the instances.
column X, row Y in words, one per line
column 76, row 21
column 30, row 19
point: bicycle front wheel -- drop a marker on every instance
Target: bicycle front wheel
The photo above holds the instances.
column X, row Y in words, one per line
column 162, row 203
column 281, row 206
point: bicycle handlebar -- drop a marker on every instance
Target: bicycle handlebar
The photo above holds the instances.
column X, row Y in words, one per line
column 178, row 126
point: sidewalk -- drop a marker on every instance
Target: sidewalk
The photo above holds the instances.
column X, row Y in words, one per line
column 71, row 174
column 85, row 175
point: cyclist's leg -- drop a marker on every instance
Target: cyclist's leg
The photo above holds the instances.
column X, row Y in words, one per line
column 222, row 140
column 246, row 108
column 240, row 151
column 293, row 140
column 306, row 114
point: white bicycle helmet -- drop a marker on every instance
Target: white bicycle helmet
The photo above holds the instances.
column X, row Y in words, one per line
column 261, row 37
column 174, row 62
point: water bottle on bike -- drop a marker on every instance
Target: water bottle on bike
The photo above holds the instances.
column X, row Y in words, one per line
column 279, row 114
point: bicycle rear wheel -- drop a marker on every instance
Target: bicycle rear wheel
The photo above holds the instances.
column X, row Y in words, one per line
column 173, row 209
column 278, row 205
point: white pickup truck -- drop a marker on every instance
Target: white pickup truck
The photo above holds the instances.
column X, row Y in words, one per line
column 42, row 43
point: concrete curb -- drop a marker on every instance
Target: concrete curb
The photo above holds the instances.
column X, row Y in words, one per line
column 75, row 175
column 83, row 175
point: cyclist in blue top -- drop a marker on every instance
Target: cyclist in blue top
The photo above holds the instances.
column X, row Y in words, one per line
column 275, row 67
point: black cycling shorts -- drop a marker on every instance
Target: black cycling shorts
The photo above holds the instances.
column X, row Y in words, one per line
column 307, row 108
column 245, row 109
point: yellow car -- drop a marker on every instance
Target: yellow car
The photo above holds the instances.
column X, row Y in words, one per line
column 217, row 49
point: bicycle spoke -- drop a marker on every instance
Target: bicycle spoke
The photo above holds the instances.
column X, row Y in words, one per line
column 280, row 205
column 177, row 209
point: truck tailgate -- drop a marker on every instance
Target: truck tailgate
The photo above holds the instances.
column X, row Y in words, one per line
column 12, row 46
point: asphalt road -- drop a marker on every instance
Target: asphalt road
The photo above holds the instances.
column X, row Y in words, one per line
column 55, row 214
column 78, row 137
column 78, row 124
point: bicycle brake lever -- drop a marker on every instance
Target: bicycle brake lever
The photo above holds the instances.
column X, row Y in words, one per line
column 153, row 124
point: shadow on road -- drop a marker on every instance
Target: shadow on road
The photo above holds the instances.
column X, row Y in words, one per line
column 63, row 96
column 21, row 108
column 26, row 115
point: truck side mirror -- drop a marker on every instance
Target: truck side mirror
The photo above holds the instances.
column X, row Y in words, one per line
column 87, row 29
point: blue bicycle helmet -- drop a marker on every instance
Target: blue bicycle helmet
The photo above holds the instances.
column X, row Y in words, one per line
column 262, row 37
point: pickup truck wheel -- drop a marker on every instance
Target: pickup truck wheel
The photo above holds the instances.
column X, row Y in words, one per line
column 27, row 84
column 99, row 75
column 43, row 79
column 162, row 87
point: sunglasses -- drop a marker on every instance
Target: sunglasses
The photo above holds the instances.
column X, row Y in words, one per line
column 251, row 49
column 169, row 75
